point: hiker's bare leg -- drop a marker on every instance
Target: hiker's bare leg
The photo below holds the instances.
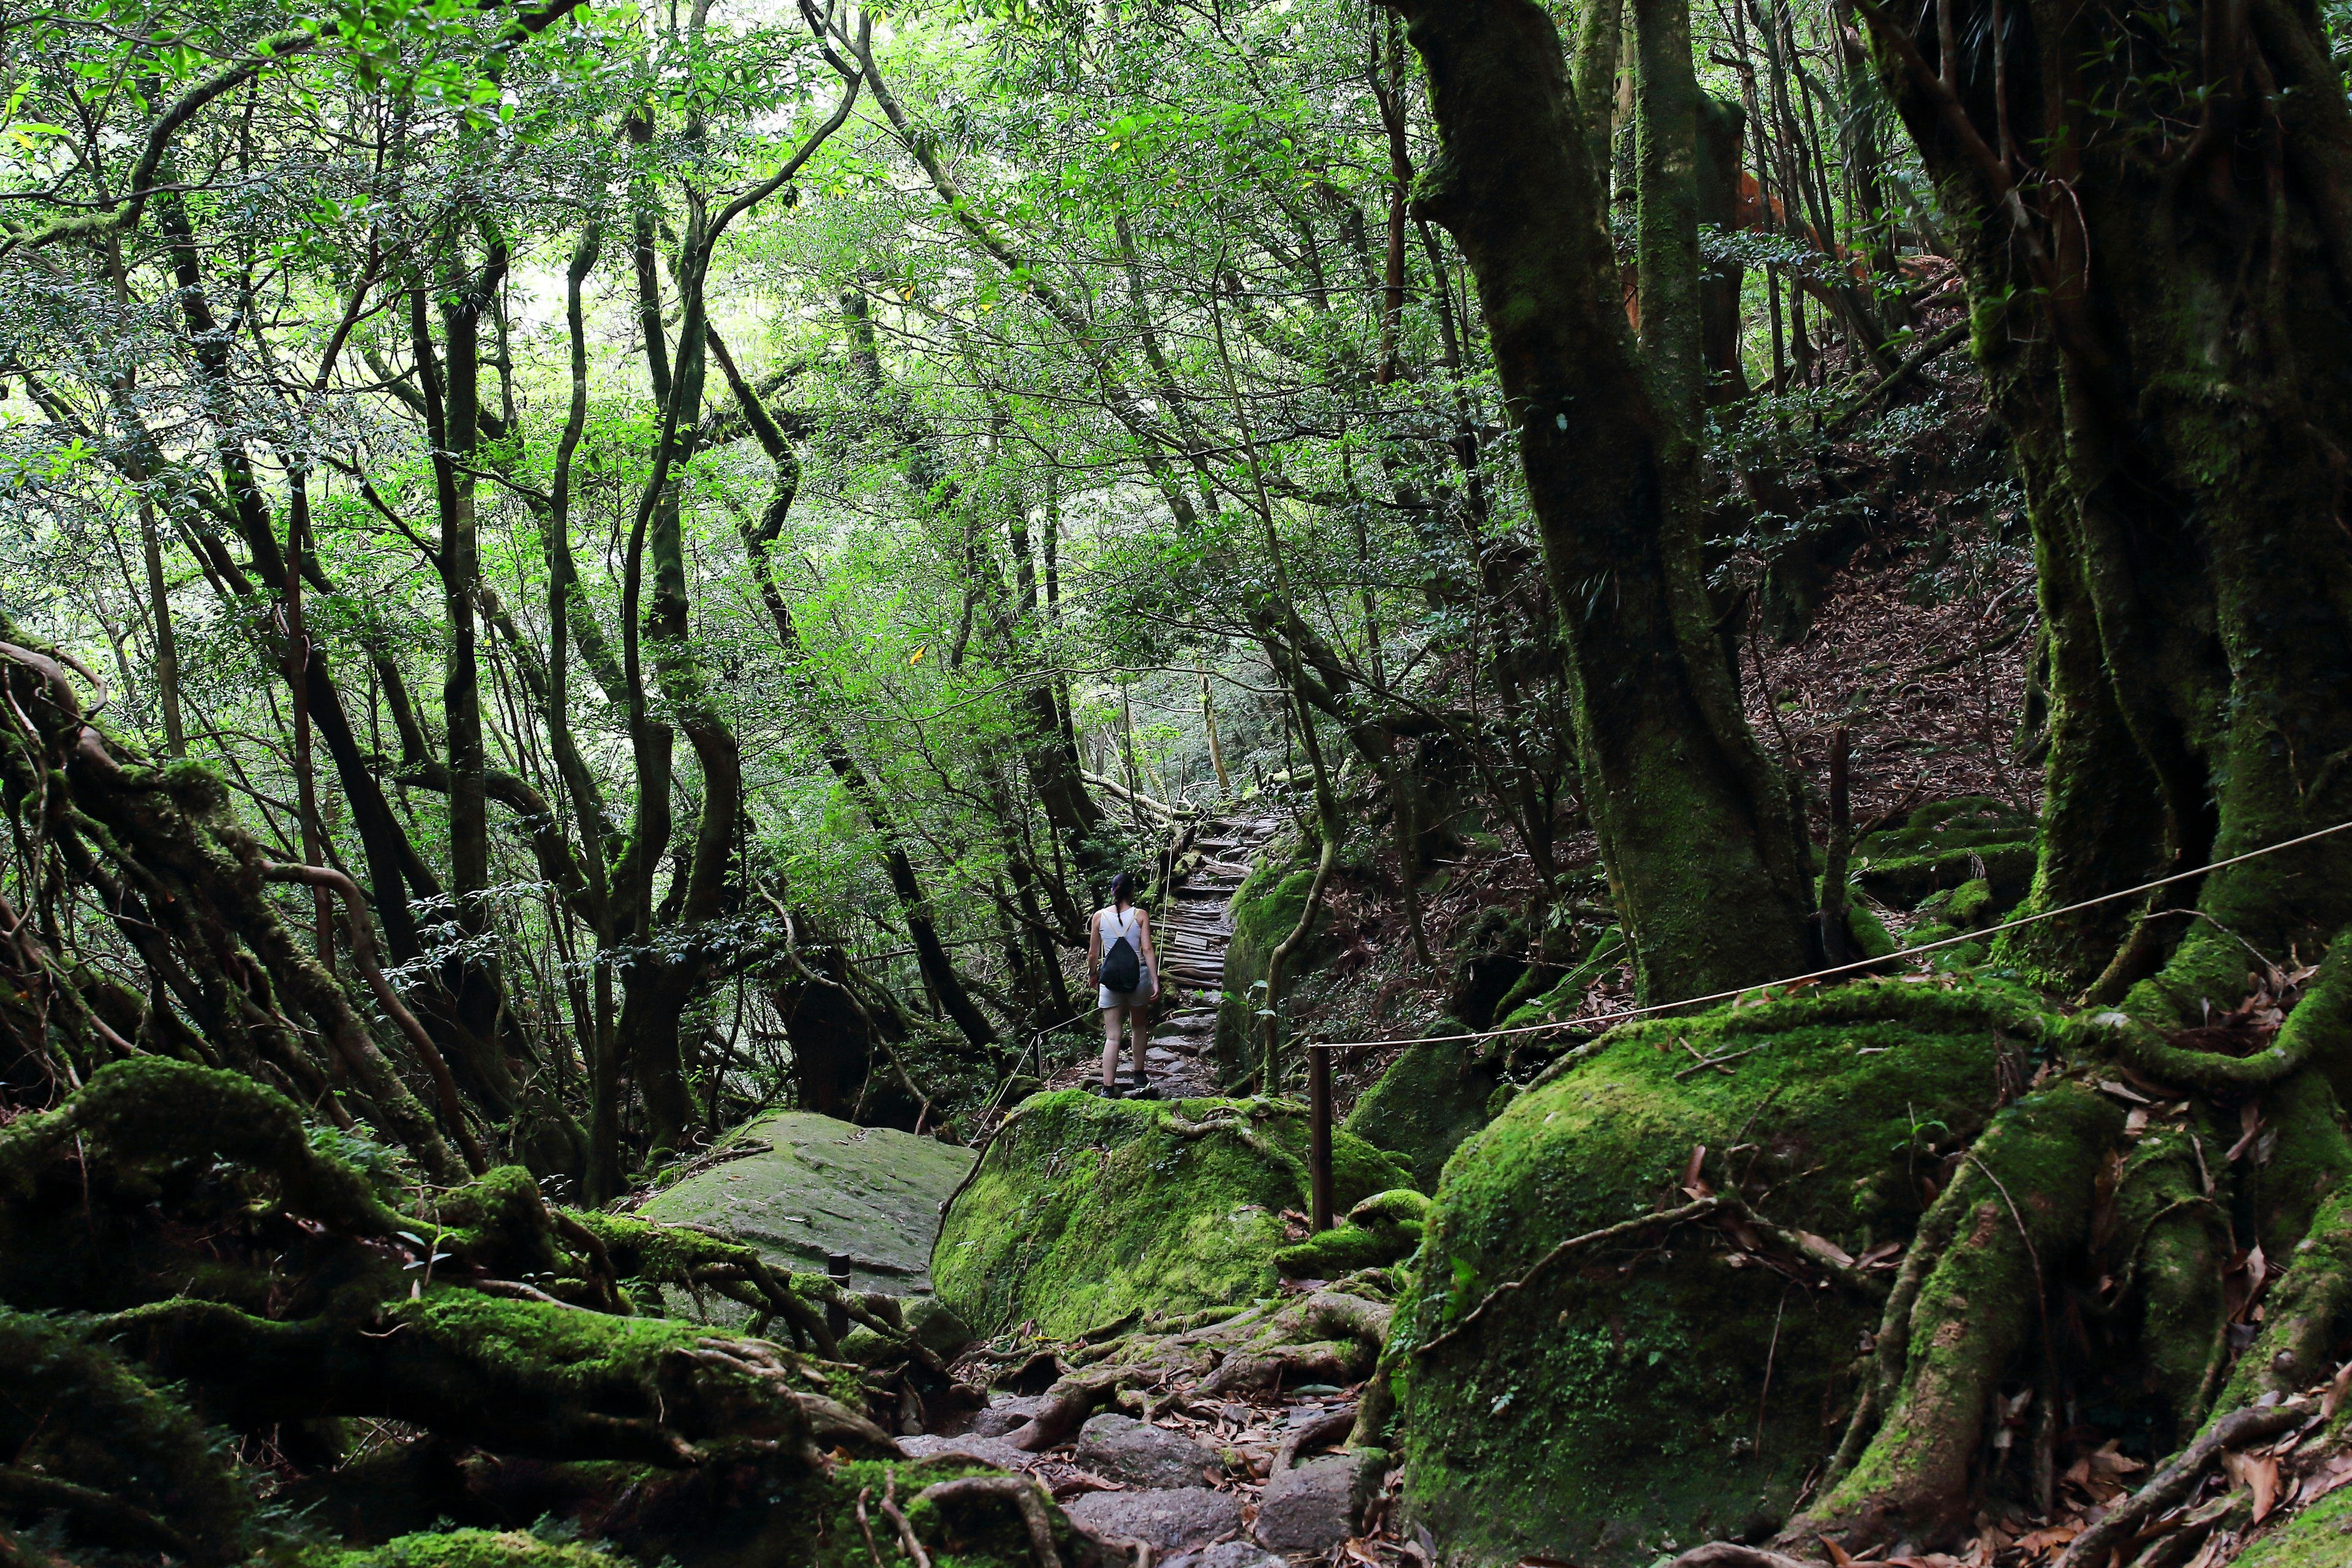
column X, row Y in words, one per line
column 1112, row 1017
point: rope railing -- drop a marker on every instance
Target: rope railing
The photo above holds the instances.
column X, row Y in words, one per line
column 1623, row 1015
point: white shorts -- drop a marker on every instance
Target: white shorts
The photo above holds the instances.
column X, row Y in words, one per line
column 1106, row 997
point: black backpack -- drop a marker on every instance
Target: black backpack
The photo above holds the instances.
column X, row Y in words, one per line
column 1122, row 966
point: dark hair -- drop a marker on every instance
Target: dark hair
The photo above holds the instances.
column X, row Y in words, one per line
column 1122, row 888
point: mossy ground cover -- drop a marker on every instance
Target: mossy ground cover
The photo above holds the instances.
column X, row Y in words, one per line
column 1945, row 844
column 1085, row 1209
column 1617, row 1407
column 826, row 1186
column 748, row 1520
column 2318, row 1537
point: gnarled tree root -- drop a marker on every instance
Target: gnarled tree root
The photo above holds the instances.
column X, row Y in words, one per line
column 1326, row 1336
column 2021, row 1203
column 2171, row 1485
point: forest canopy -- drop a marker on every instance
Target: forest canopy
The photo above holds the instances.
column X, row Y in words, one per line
column 578, row 576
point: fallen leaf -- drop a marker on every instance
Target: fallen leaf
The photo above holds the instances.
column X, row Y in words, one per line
column 2333, row 1401
column 1694, row 1181
column 2129, row 1096
column 1839, row 1556
column 2136, row 1123
column 2258, row 1474
column 1823, row 1247
column 2250, row 1122
column 2038, row 1542
column 2337, row 1472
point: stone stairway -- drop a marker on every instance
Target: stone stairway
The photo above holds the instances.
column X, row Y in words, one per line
column 1190, row 934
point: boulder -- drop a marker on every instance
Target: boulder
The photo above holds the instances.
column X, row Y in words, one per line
column 820, row 1187
column 1430, row 1098
column 1005, row 1413
column 1945, row 844
column 1168, row 1521
column 1382, row 1230
column 1615, row 1405
column 1121, row 1448
column 935, row 1327
column 1086, row 1211
column 1319, row 1502
column 987, row 1450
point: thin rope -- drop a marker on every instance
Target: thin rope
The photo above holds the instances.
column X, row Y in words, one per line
column 1625, row 1014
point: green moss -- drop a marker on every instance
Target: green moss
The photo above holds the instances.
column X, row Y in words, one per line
column 1266, row 910
column 1384, row 1229
column 2319, row 1536
column 2173, row 1243
column 817, row 1522
column 463, row 1549
column 1610, row 1412
column 1945, row 845
column 73, row 1413
column 1607, row 950
column 501, row 1223
column 1871, row 937
column 1430, row 1098
column 1085, row 1209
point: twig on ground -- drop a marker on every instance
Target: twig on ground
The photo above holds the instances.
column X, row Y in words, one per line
column 1694, row 1210
column 915, row 1553
column 865, row 1526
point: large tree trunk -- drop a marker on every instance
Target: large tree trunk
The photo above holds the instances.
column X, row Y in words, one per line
column 2160, row 318
column 1704, row 853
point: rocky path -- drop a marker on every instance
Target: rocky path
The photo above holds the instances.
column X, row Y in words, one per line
column 1190, row 935
column 1189, row 932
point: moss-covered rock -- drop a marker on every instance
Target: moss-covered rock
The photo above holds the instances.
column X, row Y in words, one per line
column 749, row 1518
column 1607, row 951
column 464, row 1549
column 1611, row 1410
column 1384, row 1229
column 1944, row 845
column 1084, row 1209
column 1493, row 957
column 1430, row 1098
column 826, row 1186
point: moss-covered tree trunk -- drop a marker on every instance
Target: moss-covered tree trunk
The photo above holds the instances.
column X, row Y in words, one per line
column 2162, row 311
column 1704, row 854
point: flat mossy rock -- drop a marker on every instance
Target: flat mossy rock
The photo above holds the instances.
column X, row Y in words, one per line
column 1945, row 844
column 1430, row 1098
column 1608, row 1412
column 1085, row 1210
column 825, row 1186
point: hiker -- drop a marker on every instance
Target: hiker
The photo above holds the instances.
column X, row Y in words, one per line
column 1126, row 974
